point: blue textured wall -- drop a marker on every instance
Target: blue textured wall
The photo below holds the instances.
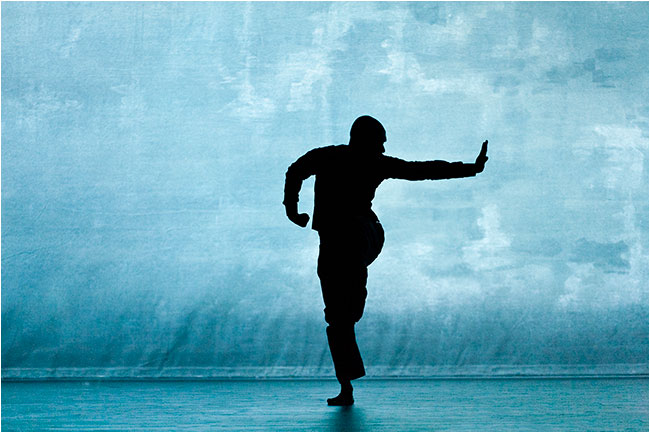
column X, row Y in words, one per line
column 143, row 155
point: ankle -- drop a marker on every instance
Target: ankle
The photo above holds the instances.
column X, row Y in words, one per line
column 346, row 388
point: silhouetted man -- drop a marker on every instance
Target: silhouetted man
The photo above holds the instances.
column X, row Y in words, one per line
column 351, row 236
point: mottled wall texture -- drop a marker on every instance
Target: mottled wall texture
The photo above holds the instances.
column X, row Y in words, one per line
column 144, row 147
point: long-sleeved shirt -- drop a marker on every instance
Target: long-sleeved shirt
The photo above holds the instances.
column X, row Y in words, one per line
column 346, row 180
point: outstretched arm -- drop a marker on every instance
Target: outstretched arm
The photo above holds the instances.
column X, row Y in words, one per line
column 431, row 170
column 296, row 173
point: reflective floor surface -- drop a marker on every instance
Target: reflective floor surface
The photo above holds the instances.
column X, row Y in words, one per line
column 299, row 405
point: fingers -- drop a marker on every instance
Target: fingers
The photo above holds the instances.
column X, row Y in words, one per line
column 484, row 148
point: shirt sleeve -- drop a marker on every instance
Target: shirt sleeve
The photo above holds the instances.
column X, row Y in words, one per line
column 395, row 168
column 297, row 172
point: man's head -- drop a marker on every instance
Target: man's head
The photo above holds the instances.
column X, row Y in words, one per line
column 368, row 135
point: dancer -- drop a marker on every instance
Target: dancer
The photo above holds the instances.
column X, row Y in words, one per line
column 351, row 236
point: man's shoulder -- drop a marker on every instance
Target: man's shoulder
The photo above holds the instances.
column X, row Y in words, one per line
column 334, row 148
column 327, row 151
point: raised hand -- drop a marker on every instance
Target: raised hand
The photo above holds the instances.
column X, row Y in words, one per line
column 482, row 158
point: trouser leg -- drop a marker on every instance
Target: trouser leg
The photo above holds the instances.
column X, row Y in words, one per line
column 348, row 364
column 343, row 276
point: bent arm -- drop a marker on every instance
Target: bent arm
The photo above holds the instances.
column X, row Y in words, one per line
column 296, row 174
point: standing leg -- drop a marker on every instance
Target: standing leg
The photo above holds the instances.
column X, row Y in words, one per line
column 343, row 276
column 345, row 352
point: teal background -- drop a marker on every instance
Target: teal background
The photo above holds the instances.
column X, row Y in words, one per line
column 144, row 147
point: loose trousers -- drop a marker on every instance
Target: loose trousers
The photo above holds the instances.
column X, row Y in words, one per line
column 345, row 253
